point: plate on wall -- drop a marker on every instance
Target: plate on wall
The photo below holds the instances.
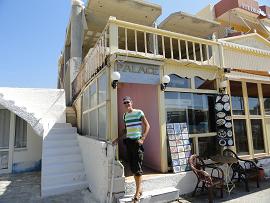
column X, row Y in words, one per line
column 220, row 122
column 218, row 98
column 221, row 114
column 222, row 142
column 225, row 98
column 228, row 125
column 230, row 142
column 227, row 106
column 228, row 118
column 229, row 133
column 219, row 106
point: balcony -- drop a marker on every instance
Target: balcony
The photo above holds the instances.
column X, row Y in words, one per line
column 129, row 39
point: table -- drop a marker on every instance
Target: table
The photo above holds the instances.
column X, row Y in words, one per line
column 227, row 161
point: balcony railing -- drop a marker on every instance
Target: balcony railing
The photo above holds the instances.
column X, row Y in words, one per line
column 133, row 39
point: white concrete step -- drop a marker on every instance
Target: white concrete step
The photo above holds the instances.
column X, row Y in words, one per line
column 65, row 178
column 62, row 159
column 57, row 169
column 57, row 136
column 51, row 152
column 61, row 189
column 162, row 195
column 60, row 143
column 62, row 125
column 63, row 130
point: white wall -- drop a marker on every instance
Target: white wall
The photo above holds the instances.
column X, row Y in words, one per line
column 41, row 108
column 28, row 159
column 97, row 158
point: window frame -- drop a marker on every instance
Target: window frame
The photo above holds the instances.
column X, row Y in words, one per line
column 26, row 132
column 195, row 137
column 248, row 117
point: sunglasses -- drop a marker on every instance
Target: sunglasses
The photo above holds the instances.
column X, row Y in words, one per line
column 127, row 102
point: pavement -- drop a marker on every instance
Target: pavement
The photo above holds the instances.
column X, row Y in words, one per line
column 238, row 194
column 25, row 188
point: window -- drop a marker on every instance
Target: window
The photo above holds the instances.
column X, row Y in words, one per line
column 179, row 82
column 253, row 99
column 205, row 84
column 4, row 129
column 20, row 133
column 191, row 108
column 257, row 136
column 266, row 98
column 241, row 139
column 94, row 109
column 237, row 98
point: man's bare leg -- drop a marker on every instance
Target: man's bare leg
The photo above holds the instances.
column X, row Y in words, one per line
column 138, row 181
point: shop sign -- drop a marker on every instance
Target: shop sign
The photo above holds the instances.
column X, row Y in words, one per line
column 138, row 73
column 252, row 9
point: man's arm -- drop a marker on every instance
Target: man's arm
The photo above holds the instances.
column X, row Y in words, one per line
column 146, row 129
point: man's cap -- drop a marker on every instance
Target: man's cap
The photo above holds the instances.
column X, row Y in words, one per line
column 127, row 98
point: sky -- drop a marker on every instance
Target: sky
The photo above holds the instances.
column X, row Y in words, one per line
column 32, row 34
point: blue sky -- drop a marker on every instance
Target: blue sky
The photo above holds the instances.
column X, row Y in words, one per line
column 32, row 36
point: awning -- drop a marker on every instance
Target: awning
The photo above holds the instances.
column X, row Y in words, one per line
column 184, row 23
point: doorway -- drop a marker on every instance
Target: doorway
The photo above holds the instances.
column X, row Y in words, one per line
column 6, row 140
column 145, row 97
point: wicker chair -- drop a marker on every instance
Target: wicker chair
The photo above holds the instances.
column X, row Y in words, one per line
column 208, row 182
column 249, row 170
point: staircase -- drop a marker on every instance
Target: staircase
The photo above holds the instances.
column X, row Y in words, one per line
column 62, row 166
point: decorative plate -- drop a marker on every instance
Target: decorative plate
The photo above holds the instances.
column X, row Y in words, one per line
column 175, row 162
column 184, row 130
column 188, row 154
column 181, row 155
column 228, row 125
column 186, row 142
column 222, row 133
column 230, row 142
column 227, row 107
column 185, row 136
column 225, row 98
column 229, row 133
column 187, row 147
column 228, row 118
column 182, row 161
column 222, row 142
column 219, row 106
column 218, row 98
column 171, row 137
column 220, row 122
column 221, row 114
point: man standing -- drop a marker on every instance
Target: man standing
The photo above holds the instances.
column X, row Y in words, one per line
column 137, row 128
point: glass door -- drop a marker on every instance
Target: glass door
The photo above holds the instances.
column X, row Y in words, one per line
column 6, row 146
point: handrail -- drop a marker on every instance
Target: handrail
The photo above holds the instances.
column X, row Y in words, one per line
column 158, row 31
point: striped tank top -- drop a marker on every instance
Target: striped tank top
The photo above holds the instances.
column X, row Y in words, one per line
column 133, row 121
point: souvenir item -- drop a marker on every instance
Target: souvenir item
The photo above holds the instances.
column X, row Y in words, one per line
column 230, row 142
column 218, row 98
column 229, row 133
column 171, row 137
column 175, row 162
column 222, row 142
column 219, row 107
column 173, row 149
column 170, row 126
column 170, row 131
column 180, row 149
column 174, row 156
column 176, row 169
column 228, row 125
column 181, row 155
column 220, row 122
column 225, row 98
column 227, row 106
column 221, row 114
column 172, row 143
column 228, row 118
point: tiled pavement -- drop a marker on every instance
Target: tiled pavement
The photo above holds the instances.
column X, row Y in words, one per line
column 25, row 188
column 238, row 195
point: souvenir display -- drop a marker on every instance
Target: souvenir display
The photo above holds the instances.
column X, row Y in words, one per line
column 224, row 120
column 179, row 145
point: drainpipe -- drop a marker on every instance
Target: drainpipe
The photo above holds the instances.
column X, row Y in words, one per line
column 77, row 32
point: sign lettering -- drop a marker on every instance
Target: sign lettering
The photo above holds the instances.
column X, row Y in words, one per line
column 252, row 9
column 138, row 68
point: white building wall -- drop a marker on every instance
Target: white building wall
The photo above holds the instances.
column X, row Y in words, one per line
column 29, row 158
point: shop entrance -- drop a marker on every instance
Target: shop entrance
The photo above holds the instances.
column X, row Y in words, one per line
column 145, row 97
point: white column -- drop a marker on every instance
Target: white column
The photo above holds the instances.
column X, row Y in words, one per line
column 77, row 30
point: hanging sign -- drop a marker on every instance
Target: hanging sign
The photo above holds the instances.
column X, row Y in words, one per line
column 179, row 145
column 224, row 120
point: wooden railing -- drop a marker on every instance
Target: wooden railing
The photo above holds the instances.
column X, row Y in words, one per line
column 133, row 39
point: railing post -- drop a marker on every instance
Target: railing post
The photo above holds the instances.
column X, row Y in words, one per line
column 113, row 35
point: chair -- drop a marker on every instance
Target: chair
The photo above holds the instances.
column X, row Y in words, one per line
column 248, row 170
column 208, row 182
